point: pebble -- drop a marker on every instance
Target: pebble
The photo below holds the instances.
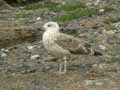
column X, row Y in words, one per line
column 34, row 57
column 21, row 7
column 100, row 82
column 116, row 27
column 101, row 10
column 102, row 47
column 89, row 4
column 63, row 3
column 110, row 32
column 95, row 65
column 31, row 47
column 2, row 49
column 38, row 18
column 96, row 3
column 115, row 89
column 101, row 66
column 89, row 82
column 3, row 55
column 6, row 50
column 113, row 40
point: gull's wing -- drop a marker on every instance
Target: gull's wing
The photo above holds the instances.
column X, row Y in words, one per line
column 72, row 44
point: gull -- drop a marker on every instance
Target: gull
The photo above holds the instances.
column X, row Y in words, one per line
column 63, row 45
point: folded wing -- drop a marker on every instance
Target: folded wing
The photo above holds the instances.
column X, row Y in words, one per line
column 73, row 45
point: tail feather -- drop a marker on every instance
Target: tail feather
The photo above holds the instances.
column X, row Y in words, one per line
column 86, row 49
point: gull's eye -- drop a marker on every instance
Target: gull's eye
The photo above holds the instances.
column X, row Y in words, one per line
column 49, row 25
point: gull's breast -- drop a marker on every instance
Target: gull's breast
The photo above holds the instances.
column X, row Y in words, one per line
column 48, row 39
column 51, row 46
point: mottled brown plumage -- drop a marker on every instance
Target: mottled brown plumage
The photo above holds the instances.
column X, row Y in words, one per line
column 73, row 45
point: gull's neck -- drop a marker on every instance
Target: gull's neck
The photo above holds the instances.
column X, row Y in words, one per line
column 49, row 37
column 53, row 30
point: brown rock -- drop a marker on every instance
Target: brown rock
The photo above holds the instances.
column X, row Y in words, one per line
column 11, row 36
column 88, row 23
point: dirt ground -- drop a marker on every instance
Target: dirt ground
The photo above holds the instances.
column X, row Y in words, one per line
column 26, row 65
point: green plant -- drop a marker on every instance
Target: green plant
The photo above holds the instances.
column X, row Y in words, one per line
column 23, row 14
column 39, row 5
column 76, row 14
column 70, row 6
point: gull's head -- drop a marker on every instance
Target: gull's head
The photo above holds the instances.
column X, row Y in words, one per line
column 53, row 26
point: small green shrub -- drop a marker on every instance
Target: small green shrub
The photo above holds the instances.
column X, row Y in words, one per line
column 70, row 6
column 23, row 14
column 40, row 5
column 76, row 14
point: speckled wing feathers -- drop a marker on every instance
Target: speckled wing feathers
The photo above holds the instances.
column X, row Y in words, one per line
column 72, row 44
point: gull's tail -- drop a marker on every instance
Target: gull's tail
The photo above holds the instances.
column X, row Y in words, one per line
column 85, row 50
column 91, row 51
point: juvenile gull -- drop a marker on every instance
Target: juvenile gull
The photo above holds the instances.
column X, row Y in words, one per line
column 62, row 45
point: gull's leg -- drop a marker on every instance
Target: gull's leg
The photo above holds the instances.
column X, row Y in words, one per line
column 60, row 68
column 65, row 65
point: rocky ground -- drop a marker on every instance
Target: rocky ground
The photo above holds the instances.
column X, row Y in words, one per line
column 26, row 65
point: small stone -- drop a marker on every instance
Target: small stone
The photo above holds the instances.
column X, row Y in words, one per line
column 3, row 55
column 108, row 81
column 6, row 50
column 101, row 10
column 113, row 40
column 34, row 57
column 21, row 7
column 110, row 32
column 102, row 47
column 89, row 4
column 89, row 82
column 118, row 68
column 2, row 49
column 116, row 27
column 38, row 18
column 63, row 3
column 31, row 47
column 99, row 83
column 101, row 66
column 95, row 65
column 96, row 3
column 13, row 74
column 115, row 89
